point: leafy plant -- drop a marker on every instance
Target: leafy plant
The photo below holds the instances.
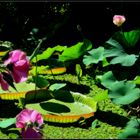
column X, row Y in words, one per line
column 7, row 122
column 132, row 129
column 121, row 92
column 48, row 53
column 115, row 49
column 75, row 51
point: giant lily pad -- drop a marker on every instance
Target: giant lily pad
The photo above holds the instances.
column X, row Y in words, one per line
column 65, row 107
column 56, row 106
column 44, row 70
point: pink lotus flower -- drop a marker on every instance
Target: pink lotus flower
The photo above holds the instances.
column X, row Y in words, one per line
column 27, row 117
column 118, row 20
column 3, row 83
column 20, row 65
column 29, row 121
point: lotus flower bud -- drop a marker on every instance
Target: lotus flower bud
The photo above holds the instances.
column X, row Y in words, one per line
column 118, row 20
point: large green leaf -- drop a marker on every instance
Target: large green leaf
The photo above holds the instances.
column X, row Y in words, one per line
column 66, row 107
column 118, row 53
column 124, row 93
column 121, row 92
column 21, row 87
column 7, row 122
column 95, row 55
column 75, row 51
column 132, row 37
column 132, row 129
column 108, row 79
column 40, row 81
column 48, row 53
column 129, row 39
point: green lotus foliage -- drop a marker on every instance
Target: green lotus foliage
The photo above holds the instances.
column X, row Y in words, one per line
column 137, row 80
column 7, row 122
column 57, row 86
column 40, row 81
column 21, row 87
column 115, row 49
column 128, row 39
column 121, row 92
column 48, row 53
column 75, row 51
column 118, row 54
column 132, row 129
column 95, row 55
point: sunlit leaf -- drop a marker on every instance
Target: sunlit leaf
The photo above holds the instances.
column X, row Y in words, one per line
column 48, row 53
column 40, row 69
column 105, row 62
column 23, row 86
column 46, row 70
column 75, row 51
column 78, row 70
column 101, row 96
column 137, row 80
column 57, row 86
column 7, row 122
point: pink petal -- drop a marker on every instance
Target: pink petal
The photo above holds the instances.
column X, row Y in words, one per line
column 20, row 125
column 17, row 55
column 28, row 115
column 4, row 84
column 19, row 76
column 36, row 117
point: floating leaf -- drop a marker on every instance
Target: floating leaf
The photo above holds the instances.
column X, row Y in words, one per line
column 40, row 81
column 76, row 106
column 46, row 70
column 7, row 122
column 95, row 55
column 54, row 71
column 20, row 87
column 57, row 86
column 39, row 69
